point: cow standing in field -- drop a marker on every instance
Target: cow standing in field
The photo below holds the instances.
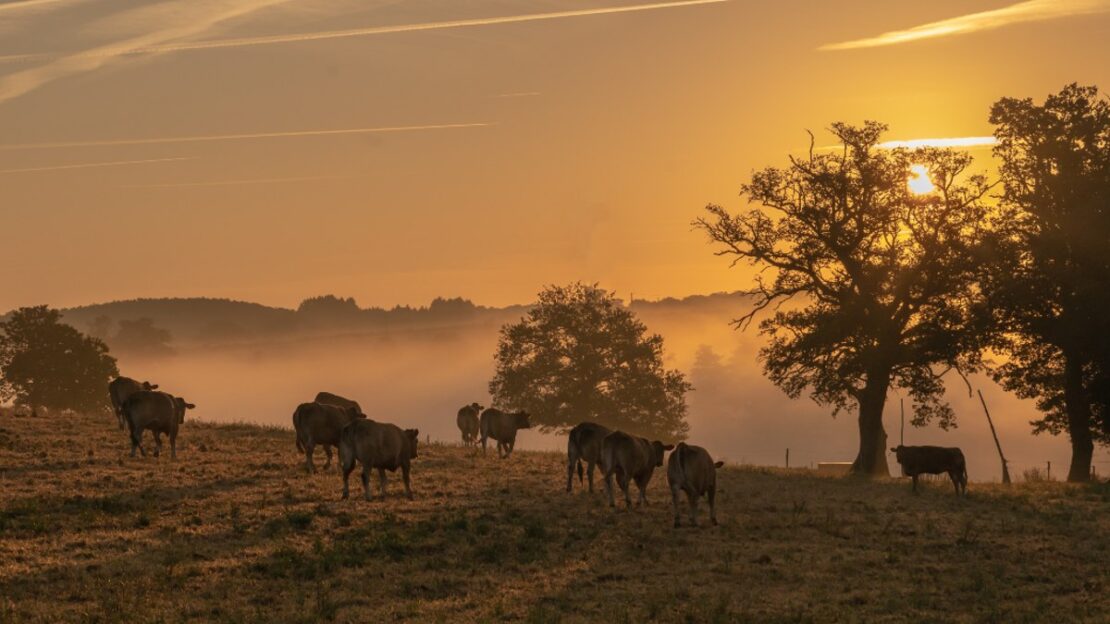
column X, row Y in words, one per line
column 502, row 427
column 120, row 389
column 468, row 423
column 328, row 398
column 376, row 445
column 630, row 458
column 319, row 423
column 917, row 460
column 584, row 444
column 159, row 412
column 690, row 469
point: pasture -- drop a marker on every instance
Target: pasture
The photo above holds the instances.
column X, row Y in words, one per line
column 235, row 531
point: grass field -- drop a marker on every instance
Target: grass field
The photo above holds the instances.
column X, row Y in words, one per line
column 234, row 531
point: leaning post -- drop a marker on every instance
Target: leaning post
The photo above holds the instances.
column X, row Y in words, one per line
column 997, row 444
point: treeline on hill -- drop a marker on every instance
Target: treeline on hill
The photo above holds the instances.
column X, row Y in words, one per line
column 886, row 288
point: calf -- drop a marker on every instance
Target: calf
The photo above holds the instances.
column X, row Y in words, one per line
column 319, row 423
column 328, row 398
column 120, row 389
column 690, row 469
column 630, row 458
column 159, row 412
column 502, row 427
column 584, row 443
column 467, row 420
column 376, row 445
column 916, row 460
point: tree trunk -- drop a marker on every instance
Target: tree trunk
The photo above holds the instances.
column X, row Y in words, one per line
column 1078, row 408
column 871, row 460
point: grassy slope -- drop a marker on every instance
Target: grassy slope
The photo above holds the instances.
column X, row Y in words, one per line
column 234, row 531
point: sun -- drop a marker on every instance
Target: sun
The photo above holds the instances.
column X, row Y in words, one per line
column 920, row 184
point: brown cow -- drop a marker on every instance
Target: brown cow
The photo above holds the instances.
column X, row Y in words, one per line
column 376, row 445
column 467, row 420
column 630, row 458
column 502, row 427
column 319, row 423
column 584, row 443
column 917, row 460
column 690, row 469
column 159, row 412
column 328, row 398
column 120, row 389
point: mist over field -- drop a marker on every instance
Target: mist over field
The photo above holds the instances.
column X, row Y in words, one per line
column 419, row 374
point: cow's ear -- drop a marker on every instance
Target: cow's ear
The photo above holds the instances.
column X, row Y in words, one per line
column 414, row 433
column 190, row 406
column 718, row 464
column 893, row 450
column 668, row 447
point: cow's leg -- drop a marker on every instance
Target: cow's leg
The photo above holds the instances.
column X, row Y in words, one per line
column 484, row 438
column 327, row 450
column 622, row 480
column 608, row 477
column 641, row 484
column 712, row 494
column 309, row 447
column 405, row 475
column 590, row 474
column 510, row 446
column 366, row 482
column 693, row 498
column 572, row 461
column 381, row 481
column 157, row 443
column 173, row 445
column 674, row 505
column 137, row 442
column 914, row 477
column 347, row 468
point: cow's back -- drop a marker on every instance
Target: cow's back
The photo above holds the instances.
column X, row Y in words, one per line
column 628, row 453
column 327, row 398
column 121, row 388
column 587, row 438
column 497, row 424
column 467, row 419
column 692, row 467
column 151, row 409
column 320, row 422
column 381, row 445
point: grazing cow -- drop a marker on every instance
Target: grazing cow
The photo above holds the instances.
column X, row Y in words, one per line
column 502, row 427
column 120, row 389
column 690, row 469
column 467, row 420
column 376, row 445
column 630, row 458
column 328, row 398
column 319, row 423
column 160, row 412
column 584, row 443
column 916, row 460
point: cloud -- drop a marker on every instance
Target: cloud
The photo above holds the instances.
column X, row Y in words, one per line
column 26, row 4
column 975, row 141
column 113, row 163
column 237, row 182
column 239, row 137
column 213, row 44
column 1021, row 12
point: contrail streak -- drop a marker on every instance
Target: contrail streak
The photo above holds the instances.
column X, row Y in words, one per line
column 238, row 137
column 26, row 4
column 373, row 30
column 114, row 163
column 1029, row 11
column 979, row 141
column 236, row 182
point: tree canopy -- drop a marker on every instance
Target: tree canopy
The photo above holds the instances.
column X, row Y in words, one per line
column 864, row 284
column 579, row 354
column 46, row 363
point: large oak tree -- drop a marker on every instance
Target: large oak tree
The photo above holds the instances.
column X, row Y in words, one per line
column 877, row 281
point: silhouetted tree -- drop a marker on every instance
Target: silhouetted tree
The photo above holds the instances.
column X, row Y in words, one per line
column 579, row 354
column 141, row 336
column 1048, row 284
column 881, row 279
column 329, row 309
column 45, row 363
column 101, row 327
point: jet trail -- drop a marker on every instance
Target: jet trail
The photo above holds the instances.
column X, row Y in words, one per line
column 237, row 137
column 114, row 163
column 235, row 182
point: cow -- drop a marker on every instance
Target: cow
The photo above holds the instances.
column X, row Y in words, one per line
column 376, row 445
column 630, row 458
column 120, row 389
column 160, row 412
column 690, row 469
column 320, row 423
column 328, row 398
column 916, row 460
column 467, row 420
column 502, row 427
column 584, row 444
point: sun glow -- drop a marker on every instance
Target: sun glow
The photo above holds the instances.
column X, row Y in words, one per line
column 919, row 183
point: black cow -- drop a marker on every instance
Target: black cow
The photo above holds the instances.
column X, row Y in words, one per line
column 917, row 460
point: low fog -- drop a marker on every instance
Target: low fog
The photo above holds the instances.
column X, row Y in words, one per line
column 420, row 377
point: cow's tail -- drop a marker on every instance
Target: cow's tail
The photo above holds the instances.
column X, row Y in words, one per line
column 574, row 454
column 347, row 447
column 297, row 429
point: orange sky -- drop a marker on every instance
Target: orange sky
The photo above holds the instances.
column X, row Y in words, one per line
column 579, row 145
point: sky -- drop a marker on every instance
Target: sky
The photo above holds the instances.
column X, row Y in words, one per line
column 399, row 150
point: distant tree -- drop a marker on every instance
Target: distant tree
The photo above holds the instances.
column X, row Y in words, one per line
column 579, row 354
column 881, row 278
column 45, row 363
column 329, row 309
column 101, row 327
column 141, row 336
column 1048, row 282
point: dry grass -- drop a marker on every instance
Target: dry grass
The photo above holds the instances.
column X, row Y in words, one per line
column 235, row 531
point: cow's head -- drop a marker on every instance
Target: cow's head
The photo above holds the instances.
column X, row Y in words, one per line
column 476, row 407
column 657, row 450
column 521, row 419
column 179, row 407
column 149, row 386
column 354, row 412
column 413, row 436
column 898, row 451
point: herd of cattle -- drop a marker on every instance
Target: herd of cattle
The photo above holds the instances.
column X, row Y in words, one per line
column 332, row 421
